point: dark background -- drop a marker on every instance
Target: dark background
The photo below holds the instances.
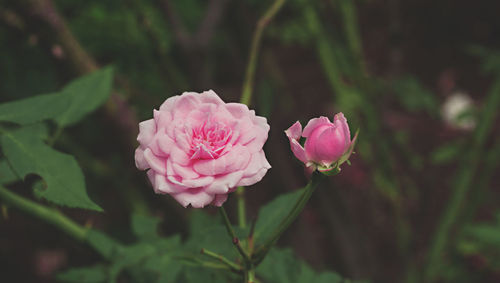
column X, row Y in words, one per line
column 376, row 220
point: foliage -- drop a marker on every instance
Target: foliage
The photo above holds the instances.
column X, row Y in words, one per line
column 25, row 147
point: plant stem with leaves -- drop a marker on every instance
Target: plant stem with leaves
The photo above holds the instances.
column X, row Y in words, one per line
column 49, row 215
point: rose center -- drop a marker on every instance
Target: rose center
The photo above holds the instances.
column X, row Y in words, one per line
column 209, row 140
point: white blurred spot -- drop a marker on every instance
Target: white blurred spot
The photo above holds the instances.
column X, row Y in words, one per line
column 458, row 111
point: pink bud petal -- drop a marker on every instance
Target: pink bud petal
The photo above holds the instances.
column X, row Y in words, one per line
column 293, row 133
column 313, row 124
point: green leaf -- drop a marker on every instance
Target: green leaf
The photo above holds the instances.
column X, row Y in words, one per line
column 192, row 274
column 66, row 107
column 85, row 95
column 129, row 257
column 446, row 153
column 91, row 274
column 64, row 181
column 144, row 226
column 271, row 214
column 282, row 266
column 414, row 96
column 6, row 173
column 103, row 244
column 208, row 232
column 33, row 109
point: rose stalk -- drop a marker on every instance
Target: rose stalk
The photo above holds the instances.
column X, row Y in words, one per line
column 327, row 146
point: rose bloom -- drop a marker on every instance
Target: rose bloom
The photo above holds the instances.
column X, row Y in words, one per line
column 327, row 145
column 198, row 148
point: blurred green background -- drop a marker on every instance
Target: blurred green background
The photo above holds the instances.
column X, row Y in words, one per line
column 421, row 79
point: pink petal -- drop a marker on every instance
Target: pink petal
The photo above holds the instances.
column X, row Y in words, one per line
column 313, row 124
column 178, row 156
column 161, row 144
column 237, row 159
column 247, row 130
column 147, row 129
column 162, row 119
column 182, row 139
column 197, row 198
column 223, row 183
column 199, row 182
column 261, row 134
column 187, row 102
column 164, row 143
column 140, row 161
column 210, row 97
column 184, row 172
column 330, row 146
column 238, row 110
column 161, row 185
column 169, row 104
column 156, row 163
column 340, row 121
column 257, row 162
column 219, row 200
column 293, row 133
column 250, row 180
column 210, row 167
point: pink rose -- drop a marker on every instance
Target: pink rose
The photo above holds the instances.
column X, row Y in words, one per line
column 199, row 148
column 327, row 144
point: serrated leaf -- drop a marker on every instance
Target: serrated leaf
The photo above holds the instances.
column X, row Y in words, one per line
column 91, row 274
column 85, row 94
column 271, row 214
column 64, row 181
column 66, row 107
column 33, row 109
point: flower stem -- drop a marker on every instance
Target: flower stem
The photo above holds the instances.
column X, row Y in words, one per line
column 233, row 236
column 242, row 220
column 250, row 276
column 246, row 94
column 233, row 266
column 49, row 215
column 290, row 218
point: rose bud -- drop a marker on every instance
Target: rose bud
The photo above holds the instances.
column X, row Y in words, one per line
column 199, row 148
column 327, row 145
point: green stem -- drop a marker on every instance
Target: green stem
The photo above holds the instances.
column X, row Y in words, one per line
column 233, row 236
column 242, row 219
column 246, row 94
column 222, row 259
column 250, row 276
column 463, row 182
column 351, row 30
column 290, row 218
column 49, row 215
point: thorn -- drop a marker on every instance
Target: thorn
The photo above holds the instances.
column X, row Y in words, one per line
column 236, row 240
column 202, row 251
